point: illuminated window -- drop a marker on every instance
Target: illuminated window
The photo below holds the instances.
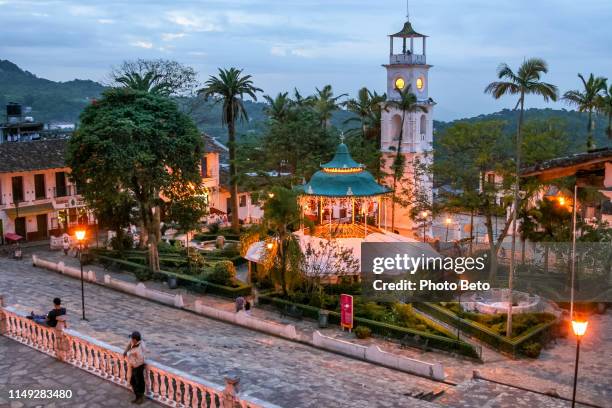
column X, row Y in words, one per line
column 400, row 83
column 420, row 83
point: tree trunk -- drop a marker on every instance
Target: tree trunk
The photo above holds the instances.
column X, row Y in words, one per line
column 590, row 143
column 231, row 130
column 395, row 170
column 515, row 215
column 471, row 230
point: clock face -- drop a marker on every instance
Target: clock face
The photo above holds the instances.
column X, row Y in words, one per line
column 400, row 83
column 420, row 83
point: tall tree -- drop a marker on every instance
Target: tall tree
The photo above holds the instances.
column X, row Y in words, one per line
column 137, row 144
column 526, row 81
column 278, row 107
column 604, row 106
column 587, row 100
column 281, row 218
column 367, row 107
column 407, row 103
column 159, row 76
column 325, row 104
column 229, row 88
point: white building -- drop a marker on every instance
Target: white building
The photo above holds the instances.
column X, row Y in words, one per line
column 37, row 198
column 407, row 70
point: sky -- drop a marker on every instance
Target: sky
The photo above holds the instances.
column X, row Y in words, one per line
column 310, row 43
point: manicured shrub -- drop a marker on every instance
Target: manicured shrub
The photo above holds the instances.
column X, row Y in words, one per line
column 224, row 273
column 363, row 332
column 531, row 349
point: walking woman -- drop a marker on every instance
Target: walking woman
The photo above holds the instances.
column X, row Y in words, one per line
column 136, row 359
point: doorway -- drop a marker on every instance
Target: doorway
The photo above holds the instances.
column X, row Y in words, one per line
column 20, row 226
column 42, row 226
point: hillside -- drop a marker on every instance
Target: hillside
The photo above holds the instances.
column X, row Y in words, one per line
column 50, row 101
column 63, row 101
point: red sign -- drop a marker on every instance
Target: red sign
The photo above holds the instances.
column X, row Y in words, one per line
column 346, row 311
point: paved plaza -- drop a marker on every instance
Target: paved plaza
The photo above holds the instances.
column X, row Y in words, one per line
column 294, row 375
column 23, row 368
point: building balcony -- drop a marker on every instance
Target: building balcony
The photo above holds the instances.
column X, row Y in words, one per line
column 407, row 59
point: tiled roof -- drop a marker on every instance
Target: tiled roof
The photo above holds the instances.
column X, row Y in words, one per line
column 212, row 145
column 29, row 156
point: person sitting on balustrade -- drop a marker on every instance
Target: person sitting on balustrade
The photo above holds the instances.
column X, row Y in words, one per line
column 50, row 319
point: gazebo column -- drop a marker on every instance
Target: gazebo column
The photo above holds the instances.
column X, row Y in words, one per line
column 379, row 207
column 331, row 213
column 365, row 219
column 353, row 210
column 320, row 210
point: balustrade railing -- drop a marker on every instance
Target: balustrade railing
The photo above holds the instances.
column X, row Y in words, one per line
column 164, row 384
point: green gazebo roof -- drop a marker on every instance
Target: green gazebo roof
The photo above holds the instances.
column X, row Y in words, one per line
column 342, row 177
column 407, row 32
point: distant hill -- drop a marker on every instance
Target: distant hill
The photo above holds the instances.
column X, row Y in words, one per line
column 64, row 101
column 50, row 101
column 575, row 124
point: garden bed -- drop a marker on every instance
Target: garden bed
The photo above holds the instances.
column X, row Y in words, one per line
column 529, row 340
column 142, row 272
column 435, row 335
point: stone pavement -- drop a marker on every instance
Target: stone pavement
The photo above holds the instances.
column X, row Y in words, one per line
column 23, row 368
column 553, row 370
column 279, row 371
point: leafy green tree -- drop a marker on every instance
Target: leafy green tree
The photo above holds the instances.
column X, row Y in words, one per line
column 159, row 76
column 587, row 100
column 229, row 88
column 407, row 103
column 281, row 217
column 526, row 81
column 136, row 144
column 604, row 106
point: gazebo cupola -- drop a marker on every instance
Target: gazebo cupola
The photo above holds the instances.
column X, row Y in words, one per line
column 342, row 193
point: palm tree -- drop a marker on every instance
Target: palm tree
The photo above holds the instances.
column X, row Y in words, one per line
column 604, row 106
column 367, row 107
column 229, row 88
column 526, row 81
column 150, row 82
column 587, row 100
column 282, row 217
column 325, row 104
column 407, row 103
column 279, row 107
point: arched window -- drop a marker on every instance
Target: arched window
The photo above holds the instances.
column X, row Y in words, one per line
column 396, row 125
column 423, row 126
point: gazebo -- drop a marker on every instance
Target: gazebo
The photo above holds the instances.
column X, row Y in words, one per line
column 343, row 199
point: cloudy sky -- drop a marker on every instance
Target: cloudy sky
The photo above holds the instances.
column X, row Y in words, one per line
column 309, row 43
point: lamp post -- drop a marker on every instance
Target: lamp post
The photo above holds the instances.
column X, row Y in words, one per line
column 448, row 222
column 80, row 236
column 579, row 328
column 424, row 216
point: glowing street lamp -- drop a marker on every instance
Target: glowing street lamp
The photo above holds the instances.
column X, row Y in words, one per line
column 269, row 245
column 424, row 215
column 448, row 222
column 271, row 195
column 80, row 236
column 579, row 328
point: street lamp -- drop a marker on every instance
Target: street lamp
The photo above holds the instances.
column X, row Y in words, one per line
column 424, row 216
column 448, row 222
column 580, row 328
column 80, row 236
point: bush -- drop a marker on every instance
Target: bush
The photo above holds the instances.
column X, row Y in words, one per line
column 531, row 349
column 123, row 242
column 363, row 332
column 214, row 227
column 224, row 273
column 371, row 311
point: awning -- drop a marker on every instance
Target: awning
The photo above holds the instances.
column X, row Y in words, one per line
column 12, row 237
column 23, row 211
column 256, row 252
column 214, row 210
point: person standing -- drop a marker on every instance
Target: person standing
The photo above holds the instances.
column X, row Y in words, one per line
column 239, row 303
column 136, row 359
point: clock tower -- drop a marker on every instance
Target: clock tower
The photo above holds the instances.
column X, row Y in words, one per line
column 408, row 70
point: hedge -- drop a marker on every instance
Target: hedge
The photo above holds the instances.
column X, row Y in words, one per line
column 382, row 329
column 542, row 332
column 187, row 280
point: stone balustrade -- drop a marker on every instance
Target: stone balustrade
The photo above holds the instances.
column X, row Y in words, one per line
column 165, row 385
